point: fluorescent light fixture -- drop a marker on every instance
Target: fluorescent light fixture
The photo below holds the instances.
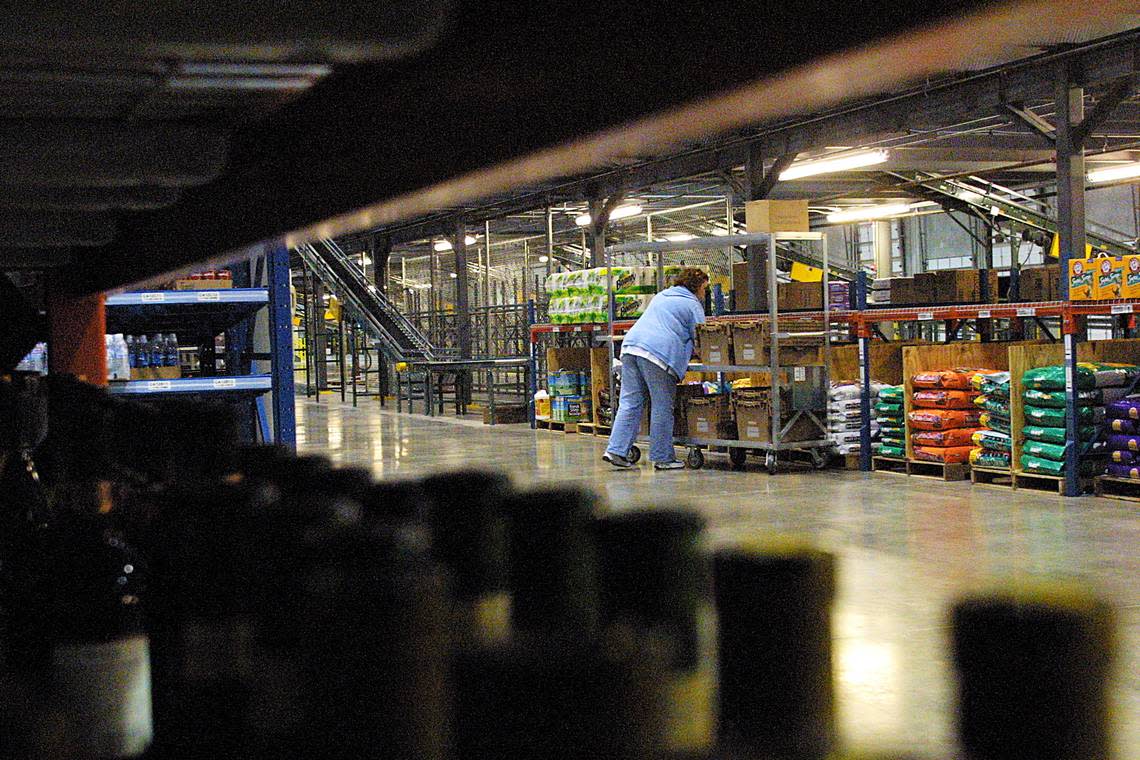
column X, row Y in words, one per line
column 866, row 213
column 445, row 245
column 829, row 165
column 621, row 212
column 543, row 259
column 1111, row 174
column 679, row 237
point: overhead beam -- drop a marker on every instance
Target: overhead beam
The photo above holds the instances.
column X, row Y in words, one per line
column 53, row 229
column 87, row 198
column 1117, row 94
column 406, row 156
column 764, row 189
column 85, row 155
column 1040, row 126
column 253, row 30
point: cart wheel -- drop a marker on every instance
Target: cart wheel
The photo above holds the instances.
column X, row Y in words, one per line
column 634, row 455
column 695, row 459
column 770, row 463
column 818, row 459
column 737, row 456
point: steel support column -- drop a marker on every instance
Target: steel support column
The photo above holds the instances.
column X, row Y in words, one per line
column 757, row 273
column 860, row 304
column 1071, row 231
column 281, row 347
column 462, row 312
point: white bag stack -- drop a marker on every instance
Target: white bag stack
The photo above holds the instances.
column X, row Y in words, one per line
column 845, row 416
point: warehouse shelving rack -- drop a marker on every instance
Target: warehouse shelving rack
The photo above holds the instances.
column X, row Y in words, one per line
column 198, row 316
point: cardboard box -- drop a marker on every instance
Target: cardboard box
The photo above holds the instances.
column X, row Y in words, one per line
column 1108, row 276
column 711, row 417
column 714, row 343
column 1130, row 284
column 1039, row 283
column 754, row 422
column 799, row 296
column 776, row 216
column 926, row 288
column 156, row 373
column 188, row 284
column 903, row 292
column 1081, row 279
column 750, row 344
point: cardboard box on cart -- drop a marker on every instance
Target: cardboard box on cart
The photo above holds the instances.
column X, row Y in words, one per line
column 711, row 417
column 714, row 343
column 754, row 419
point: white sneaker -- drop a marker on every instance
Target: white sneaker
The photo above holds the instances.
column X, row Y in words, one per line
column 618, row 461
column 676, row 464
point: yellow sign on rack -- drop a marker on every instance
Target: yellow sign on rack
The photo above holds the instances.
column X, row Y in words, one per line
column 1055, row 248
column 804, row 273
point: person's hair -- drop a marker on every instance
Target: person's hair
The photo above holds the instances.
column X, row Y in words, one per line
column 691, row 278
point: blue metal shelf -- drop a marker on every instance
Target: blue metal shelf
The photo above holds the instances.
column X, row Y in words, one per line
column 202, row 313
column 244, row 385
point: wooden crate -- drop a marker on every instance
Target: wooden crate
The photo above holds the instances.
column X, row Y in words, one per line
column 991, row 476
column 1122, row 489
column 938, row 470
column 886, row 363
column 946, row 356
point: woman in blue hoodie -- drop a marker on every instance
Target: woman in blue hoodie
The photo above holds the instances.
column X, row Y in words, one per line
column 654, row 355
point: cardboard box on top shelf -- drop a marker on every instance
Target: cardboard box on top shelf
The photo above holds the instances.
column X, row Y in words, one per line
column 1130, row 287
column 714, row 343
column 776, row 216
column 1108, row 275
column 903, row 291
column 188, row 283
column 1040, row 283
column 926, row 288
column 1080, row 276
column 800, row 296
column 156, row 373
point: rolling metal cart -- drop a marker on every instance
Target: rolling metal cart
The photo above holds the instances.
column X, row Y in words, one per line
column 804, row 387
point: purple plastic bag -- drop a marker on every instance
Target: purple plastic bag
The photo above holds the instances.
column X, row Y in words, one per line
column 1124, row 443
column 1124, row 409
column 1130, row 471
column 1127, row 427
column 1125, row 457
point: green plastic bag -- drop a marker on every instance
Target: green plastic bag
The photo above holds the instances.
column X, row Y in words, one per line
column 892, row 431
column 1087, row 467
column 993, row 440
column 996, row 390
column 996, row 459
column 898, row 452
column 1048, row 417
column 993, row 422
column 997, row 407
column 1054, row 451
column 892, row 394
column 1054, row 434
column 1056, row 399
column 1089, row 375
column 888, row 408
column 892, row 441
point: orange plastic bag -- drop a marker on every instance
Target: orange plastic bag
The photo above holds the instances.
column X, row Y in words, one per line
column 945, row 438
column 951, row 455
column 944, row 419
column 944, row 399
column 953, row 379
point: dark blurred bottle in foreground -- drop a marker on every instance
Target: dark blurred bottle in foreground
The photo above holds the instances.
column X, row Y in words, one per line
column 654, row 576
column 1033, row 665
column 773, row 601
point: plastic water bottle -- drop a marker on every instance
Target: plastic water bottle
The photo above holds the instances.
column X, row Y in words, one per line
column 119, row 362
column 142, row 352
column 170, row 351
column 156, row 350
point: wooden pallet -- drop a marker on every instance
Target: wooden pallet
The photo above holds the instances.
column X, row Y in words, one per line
column 937, row 470
column 1034, row 481
column 590, row 428
column 889, row 464
column 1001, row 477
column 845, row 461
column 1123, row 489
column 561, row 427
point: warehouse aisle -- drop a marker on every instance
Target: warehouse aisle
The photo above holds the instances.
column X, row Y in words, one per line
column 907, row 547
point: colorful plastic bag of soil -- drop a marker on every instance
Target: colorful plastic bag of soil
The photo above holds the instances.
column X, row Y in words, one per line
column 888, row 409
column 1056, row 399
column 1046, row 417
column 1087, row 467
column 949, row 379
column 1127, row 427
column 889, row 440
column 944, row 419
column 943, row 399
column 1124, row 457
column 1124, row 409
column 952, row 455
column 892, row 394
column 1054, row 451
column 898, row 452
column 992, row 440
column 993, row 422
column 1124, row 443
column 1056, row 435
column 894, row 431
column 1089, row 375
column 993, row 384
column 1127, row 471
column 998, row 407
column 989, row 458
column 945, row 438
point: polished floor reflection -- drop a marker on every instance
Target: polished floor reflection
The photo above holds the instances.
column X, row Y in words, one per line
column 907, row 547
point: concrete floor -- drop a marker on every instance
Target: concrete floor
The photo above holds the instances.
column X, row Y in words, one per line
column 907, row 548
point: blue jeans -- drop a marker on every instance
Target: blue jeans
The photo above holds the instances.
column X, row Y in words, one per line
column 641, row 379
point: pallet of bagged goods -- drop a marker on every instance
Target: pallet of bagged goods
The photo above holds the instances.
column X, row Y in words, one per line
column 889, row 412
column 944, row 416
column 992, row 441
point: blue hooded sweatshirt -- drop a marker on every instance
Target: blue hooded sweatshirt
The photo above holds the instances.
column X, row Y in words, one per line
column 668, row 328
